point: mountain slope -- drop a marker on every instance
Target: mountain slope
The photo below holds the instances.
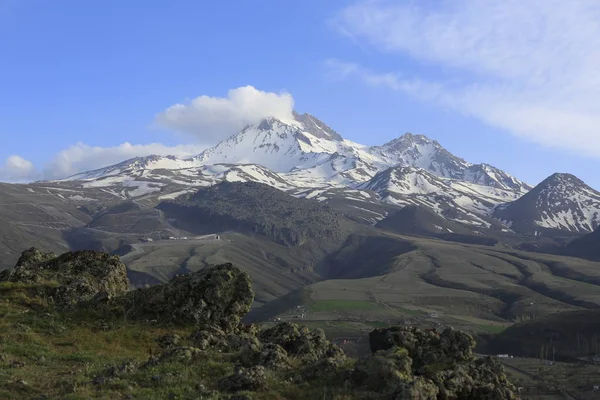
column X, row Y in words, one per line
column 587, row 246
column 305, row 155
column 36, row 215
column 452, row 200
column 561, row 202
column 309, row 153
column 257, row 209
column 421, row 152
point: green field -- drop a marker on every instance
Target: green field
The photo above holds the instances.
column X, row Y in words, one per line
column 342, row 305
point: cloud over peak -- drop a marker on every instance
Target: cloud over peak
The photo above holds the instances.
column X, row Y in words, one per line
column 207, row 119
column 17, row 169
column 212, row 119
column 83, row 157
column 530, row 68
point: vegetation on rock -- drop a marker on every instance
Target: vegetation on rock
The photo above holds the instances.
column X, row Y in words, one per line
column 184, row 340
column 71, row 278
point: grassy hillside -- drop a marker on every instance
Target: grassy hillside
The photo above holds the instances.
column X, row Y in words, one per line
column 275, row 269
column 585, row 247
column 34, row 215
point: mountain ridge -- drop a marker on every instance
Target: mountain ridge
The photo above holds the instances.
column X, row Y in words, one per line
column 561, row 201
column 306, row 154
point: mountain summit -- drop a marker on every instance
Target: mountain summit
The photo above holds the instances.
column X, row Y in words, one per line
column 305, row 157
column 561, row 201
column 314, row 153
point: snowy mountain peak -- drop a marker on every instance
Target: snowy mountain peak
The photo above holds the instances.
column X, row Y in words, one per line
column 561, row 201
column 316, row 127
column 565, row 179
column 406, row 180
column 410, row 139
column 135, row 166
column 305, row 153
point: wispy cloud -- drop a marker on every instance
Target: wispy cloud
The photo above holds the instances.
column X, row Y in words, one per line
column 532, row 68
column 207, row 119
column 82, row 157
column 17, row 169
column 215, row 118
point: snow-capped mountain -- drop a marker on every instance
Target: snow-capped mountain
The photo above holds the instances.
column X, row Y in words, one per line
column 422, row 152
column 136, row 167
column 306, row 156
column 561, row 201
column 312, row 153
column 455, row 200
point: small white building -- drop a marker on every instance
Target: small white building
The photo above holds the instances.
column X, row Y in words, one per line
column 502, row 355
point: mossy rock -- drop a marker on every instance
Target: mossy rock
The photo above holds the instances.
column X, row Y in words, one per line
column 71, row 278
column 216, row 297
column 301, row 342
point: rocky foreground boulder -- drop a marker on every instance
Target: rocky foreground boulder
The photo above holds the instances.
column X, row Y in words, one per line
column 71, row 278
column 412, row 363
column 205, row 309
column 214, row 297
column 425, row 347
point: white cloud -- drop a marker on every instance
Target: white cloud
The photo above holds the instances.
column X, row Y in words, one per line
column 214, row 118
column 82, row 157
column 209, row 119
column 528, row 67
column 17, row 169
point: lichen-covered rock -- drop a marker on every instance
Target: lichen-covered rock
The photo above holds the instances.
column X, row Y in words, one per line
column 218, row 296
column 410, row 363
column 418, row 389
column 300, row 341
column 120, row 369
column 214, row 338
column 385, row 371
column 270, row 355
column 71, row 278
column 32, row 258
column 483, row 379
column 180, row 354
column 168, row 341
column 209, row 337
column 327, row 367
column 426, row 347
column 251, row 379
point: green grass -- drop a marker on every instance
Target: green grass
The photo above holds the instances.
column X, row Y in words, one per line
column 407, row 311
column 342, row 305
column 489, row 328
column 59, row 355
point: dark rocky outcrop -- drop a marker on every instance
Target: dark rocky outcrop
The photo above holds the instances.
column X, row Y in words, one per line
column 71, row 278
column 410, row 363
column 425, row 347
column 406, row 362
column 301, row 342
column 217, row 297
column 168, row 341
column 245, row 379
column 266, row 211
column 270, row 355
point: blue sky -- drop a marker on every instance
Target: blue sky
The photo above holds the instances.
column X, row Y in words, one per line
column 500, row 83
